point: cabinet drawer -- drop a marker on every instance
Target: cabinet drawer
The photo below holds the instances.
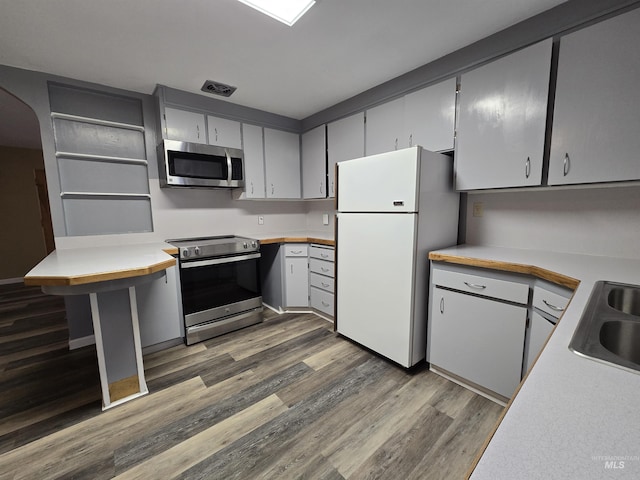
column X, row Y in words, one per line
column 549, row 302
column 322, row 282
column 488, row 287
column 321, row 266
column 296, row 250
column 321, row 253
column 322, row 301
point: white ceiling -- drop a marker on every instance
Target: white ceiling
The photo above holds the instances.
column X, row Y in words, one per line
column 338, row 49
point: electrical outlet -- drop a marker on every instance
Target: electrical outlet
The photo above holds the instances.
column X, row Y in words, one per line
column 478, row 209
column 260, row 220
column 325, row 219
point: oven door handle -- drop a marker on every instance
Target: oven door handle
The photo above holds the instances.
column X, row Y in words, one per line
column 218, row 261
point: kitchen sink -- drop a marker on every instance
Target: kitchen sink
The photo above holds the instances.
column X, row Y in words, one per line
column 609, row 330
column 625, row 299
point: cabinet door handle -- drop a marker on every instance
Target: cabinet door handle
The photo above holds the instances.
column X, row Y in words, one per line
column 198, row 131
column 553, row 307
column 272, row 189
column 566, row 165
column 252, row 188
column 321, row 188
column 527, row 167
column 411, row 140
column 441, row 304
column 332, row 187
column 292, row 268
column 396, row 144
column 475, row 285
column 216, row 131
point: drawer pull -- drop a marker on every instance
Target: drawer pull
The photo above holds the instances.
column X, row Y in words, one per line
column 324, row 255
column 475, row 285
column 552, row 307
column 296, row 252
column 325, row 285
column 325, row 269
column 324, row 303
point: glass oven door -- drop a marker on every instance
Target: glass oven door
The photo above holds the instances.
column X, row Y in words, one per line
column 220, row 287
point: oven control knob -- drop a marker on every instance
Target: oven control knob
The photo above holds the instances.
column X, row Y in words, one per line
column 253, row 244
column 186, row 253
column 196, row 251
column 245, row 245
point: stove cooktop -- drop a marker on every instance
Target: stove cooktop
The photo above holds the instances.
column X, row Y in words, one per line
column 207, row 247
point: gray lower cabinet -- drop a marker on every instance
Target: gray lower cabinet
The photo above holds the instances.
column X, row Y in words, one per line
column 296, row 275
column 159, row 307
column 477, row 329
column 548, row 303
column 321, row 279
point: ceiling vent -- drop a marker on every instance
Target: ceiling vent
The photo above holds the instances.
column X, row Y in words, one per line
column 218, row 88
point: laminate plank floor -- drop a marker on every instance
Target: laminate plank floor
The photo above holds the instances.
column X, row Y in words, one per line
column 287, row 398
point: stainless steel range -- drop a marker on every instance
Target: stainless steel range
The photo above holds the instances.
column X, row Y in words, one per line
column 220, row 285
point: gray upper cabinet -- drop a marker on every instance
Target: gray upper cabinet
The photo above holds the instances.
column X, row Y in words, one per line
column 345, row 141
column 425, row 117
column 223, row 132
column 502, row 121
column 253, row 149
column 384, row 127
column 184, row 126
column 282, row 163
column 314, row 163
column 596, row 121
column 429, row 117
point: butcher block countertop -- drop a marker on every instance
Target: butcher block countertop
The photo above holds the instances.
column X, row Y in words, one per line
column 572, row 417
column 294, row 237
column 79, row 266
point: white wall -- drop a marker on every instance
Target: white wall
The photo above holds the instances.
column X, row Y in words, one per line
column 195, row 212
column 315, row 210
column 596, row 221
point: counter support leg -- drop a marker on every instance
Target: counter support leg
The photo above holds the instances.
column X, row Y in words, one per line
column 136, row 339
column 102, row 365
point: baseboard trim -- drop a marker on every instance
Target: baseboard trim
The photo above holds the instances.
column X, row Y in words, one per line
column 75, row 343
column 8, row 281
column 162, row 345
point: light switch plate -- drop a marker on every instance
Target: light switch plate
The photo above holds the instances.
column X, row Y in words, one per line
column 260, row 220
column 325, row 219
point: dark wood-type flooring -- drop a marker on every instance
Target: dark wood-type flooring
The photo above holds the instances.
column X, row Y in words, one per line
column 284, row 399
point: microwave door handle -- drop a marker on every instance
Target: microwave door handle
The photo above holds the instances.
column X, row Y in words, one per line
column 229, row 168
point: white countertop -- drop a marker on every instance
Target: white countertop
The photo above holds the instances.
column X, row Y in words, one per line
column 572, row 414
column 92, row 264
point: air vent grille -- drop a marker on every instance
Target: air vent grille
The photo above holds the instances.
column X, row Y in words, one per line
column 218, row 88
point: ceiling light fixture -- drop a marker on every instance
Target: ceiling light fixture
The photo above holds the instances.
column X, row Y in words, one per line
column 285, row 11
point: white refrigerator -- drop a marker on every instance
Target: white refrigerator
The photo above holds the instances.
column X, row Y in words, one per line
column 393, row 208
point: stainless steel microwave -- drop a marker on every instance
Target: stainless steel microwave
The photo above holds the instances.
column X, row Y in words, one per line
column 183, row 164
